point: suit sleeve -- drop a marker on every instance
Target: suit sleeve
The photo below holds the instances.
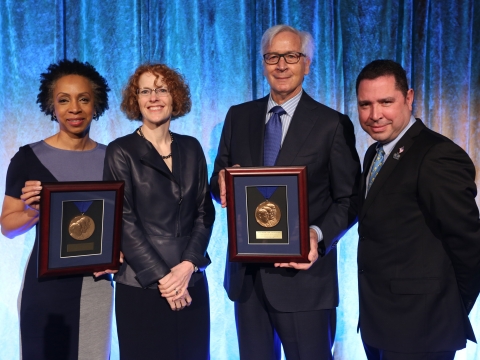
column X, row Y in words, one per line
column 447, row 193
column 196, row 251
column 223, row 155
column 344, row 176
column 149, row 267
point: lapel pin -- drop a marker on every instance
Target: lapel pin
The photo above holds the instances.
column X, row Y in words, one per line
column 396, row 156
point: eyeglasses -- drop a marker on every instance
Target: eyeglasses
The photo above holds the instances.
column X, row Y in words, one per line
column 160, row 91
column 290, row 58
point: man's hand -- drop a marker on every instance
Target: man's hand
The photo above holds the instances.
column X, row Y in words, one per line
column 222, row 187
column 312, row 255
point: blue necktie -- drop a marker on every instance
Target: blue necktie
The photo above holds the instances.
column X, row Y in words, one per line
column 273, row 136
column 377, row 165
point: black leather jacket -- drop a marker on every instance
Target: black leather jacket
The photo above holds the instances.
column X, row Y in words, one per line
column 167, row 216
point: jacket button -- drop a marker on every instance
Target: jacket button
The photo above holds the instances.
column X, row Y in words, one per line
column 360, row 271
column 362, row 238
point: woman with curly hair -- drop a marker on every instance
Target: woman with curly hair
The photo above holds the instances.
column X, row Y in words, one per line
column 65, row 317
column 161, row 297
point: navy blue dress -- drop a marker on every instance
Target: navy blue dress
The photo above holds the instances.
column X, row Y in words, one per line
column 62, row 317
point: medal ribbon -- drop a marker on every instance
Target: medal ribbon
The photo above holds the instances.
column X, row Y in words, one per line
column 267, row 191
column 83, row 205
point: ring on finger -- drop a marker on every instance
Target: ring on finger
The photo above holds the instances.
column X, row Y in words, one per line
column 176, row 291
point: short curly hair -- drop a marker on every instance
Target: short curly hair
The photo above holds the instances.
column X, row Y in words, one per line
column 66, row 67
column 176, row 85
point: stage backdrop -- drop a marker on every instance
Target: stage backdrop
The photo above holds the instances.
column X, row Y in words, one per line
column 214, row 43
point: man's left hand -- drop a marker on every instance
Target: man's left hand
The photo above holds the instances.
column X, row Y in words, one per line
column 312, row 255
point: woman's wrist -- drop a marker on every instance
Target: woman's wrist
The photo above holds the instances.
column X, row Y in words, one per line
column 162, row 278
column 194, row 267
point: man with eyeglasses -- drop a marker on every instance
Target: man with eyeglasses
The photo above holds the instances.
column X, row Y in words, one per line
column 291, row 303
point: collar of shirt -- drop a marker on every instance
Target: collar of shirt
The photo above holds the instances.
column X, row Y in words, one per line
column 289, row 106
column 388, row 147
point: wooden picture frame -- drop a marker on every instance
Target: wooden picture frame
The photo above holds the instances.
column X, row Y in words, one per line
column 80, row 227
column 267, row 214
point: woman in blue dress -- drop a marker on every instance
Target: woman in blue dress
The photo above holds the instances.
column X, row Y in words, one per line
column 65, row 317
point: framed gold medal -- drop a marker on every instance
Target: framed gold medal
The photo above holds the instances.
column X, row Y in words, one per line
column 267, row 211
column 80, row 227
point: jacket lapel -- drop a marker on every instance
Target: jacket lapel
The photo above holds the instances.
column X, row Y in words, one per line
column 300, row 127
column 152, row 158
column 367, row 162
column 257, row 130
column 177, row 160
column 393, row 160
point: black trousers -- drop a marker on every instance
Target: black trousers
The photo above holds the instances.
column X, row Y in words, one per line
column 149, row 330
column 378, row 354
column 261, row 329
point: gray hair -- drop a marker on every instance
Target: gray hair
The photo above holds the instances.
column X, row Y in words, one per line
column 308, row 47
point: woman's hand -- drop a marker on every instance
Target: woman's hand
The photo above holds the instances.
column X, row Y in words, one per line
column 19, row 215
column 108, row 271
column 177, row 305
column 31, row 194
column 174, row 284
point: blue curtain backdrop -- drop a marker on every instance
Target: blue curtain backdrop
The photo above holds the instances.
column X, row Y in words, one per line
column 215, row 44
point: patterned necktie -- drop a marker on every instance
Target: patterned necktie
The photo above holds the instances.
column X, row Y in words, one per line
column 377, row 165
column 273, row 136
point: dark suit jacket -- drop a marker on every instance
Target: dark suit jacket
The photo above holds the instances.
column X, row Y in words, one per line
column 167, row 216
column 324, row 140
column 419, row 247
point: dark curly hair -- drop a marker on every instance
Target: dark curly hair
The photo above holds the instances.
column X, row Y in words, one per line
column 176, row 85
column 66, row 67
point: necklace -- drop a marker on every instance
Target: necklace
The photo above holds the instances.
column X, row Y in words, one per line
column 143, row 136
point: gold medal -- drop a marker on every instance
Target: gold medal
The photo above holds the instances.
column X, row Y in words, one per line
column 81, row 227
column 267, row 214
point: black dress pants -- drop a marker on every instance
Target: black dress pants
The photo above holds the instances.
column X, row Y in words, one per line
column 261, row 329
column 378, row 354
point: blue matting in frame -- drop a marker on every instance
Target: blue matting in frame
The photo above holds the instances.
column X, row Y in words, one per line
column 240, row 185
column 57, row 199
